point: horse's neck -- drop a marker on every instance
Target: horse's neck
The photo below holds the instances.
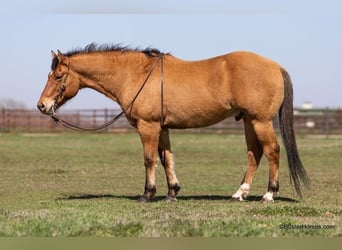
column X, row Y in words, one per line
column 108, row 74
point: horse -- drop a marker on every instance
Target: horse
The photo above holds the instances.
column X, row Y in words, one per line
column 157, row 92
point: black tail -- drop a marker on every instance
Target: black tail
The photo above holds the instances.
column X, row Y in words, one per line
column 297, row 172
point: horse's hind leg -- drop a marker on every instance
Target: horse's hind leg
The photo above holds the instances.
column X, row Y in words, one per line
column 166, row 158
column 254, row 154
column 266, row 135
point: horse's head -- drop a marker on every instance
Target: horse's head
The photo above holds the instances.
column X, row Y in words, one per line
column 62, row 85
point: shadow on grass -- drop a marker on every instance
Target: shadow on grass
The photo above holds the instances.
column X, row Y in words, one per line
column 161, row 198
column 97, row 196
column 220, row 197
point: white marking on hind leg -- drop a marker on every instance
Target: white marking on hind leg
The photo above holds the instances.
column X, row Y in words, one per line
column 268, row 197
column 242, row 192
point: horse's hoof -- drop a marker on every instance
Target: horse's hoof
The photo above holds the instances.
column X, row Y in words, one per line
column 267, row 198
column 144, row 199
column 235, row 199
column 170, row 199
column 266, row 201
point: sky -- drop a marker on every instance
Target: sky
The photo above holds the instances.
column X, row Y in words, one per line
column 305, row 37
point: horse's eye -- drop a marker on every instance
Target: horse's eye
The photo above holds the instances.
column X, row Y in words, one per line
column 59, row 78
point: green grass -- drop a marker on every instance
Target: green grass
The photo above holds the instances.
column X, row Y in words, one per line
column 87, row 185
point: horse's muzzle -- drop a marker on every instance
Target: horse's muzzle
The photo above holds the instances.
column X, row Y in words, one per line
column 44, row 109
column 41, row 107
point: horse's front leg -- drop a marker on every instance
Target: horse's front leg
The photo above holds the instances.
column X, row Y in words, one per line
column 166, row 158
column 149, row 134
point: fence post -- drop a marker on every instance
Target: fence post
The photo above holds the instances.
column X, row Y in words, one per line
column 106, row 118
column 94, row 118
column 106, row 115
column 326, row 122
column 8, row 120
column 3, row 120
column 29, row 120
column 78, row 118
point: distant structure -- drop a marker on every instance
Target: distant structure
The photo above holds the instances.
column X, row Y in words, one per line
column 307, row 105
column 310, row 123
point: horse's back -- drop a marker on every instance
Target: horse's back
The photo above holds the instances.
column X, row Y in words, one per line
column 201, row 93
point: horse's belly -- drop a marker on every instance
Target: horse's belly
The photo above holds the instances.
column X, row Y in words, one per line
column 196, row 118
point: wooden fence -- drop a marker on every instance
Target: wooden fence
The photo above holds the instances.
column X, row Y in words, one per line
column 318, row 121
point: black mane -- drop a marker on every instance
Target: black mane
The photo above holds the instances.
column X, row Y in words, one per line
column 93, row 47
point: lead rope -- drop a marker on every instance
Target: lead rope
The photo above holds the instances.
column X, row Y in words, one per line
column 161, row 90
column 78, row 128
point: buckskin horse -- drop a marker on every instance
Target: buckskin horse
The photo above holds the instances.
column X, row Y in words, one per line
column 157, row 92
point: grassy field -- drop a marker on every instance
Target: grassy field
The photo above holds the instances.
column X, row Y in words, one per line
column 87, row 185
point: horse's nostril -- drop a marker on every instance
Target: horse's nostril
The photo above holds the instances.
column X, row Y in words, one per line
column 41, row 106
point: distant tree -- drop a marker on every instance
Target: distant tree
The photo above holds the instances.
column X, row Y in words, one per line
column 9, row 103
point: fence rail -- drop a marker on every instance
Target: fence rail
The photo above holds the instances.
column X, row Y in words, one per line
column 319, row 121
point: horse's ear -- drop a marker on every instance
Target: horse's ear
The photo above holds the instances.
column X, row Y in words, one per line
column 60, row 55
column 53, row 54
